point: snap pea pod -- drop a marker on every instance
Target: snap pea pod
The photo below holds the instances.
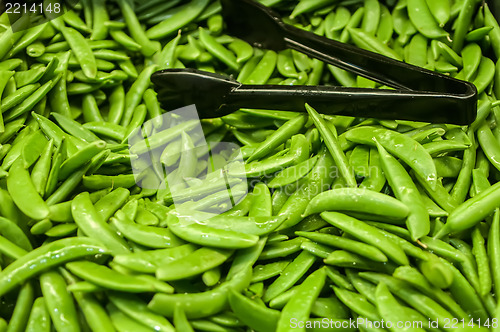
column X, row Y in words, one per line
column 405, row 148
column 290, row 275
column 199, row 305
column 138, row 310
column 206, row 235
column 178, row 20
column 333, row 147
column 418, row 222
column 45, row 257
column 301, row 303
column 367, row 234
column 59, row 302
column 258, row 317
column 369, row 202
column 88, row 221
column 471, row 211
column 346, row 244
column 24, row 193
column 148, row 236
column 39, row 319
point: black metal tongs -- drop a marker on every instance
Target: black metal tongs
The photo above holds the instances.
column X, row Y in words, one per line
column 418, row 95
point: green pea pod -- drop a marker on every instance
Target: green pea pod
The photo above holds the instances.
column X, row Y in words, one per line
column 134, row 95
column 357, row 303
column 124, row 323
column 471, row 211
column 193, row 264
column 420, row 302
column 368, row 234
column 24, row 194
column 47, row 256
column 422, row 18
column 88, row 221
column 462, row 23
column 402, row 146
column 243, row 50
column 391, row 310
column 333, row 146
column 287, row 130
column 136, row 309
column 261, row 202
column 371, row 16
column 367, row 201
column 180, row 320
column 292, row 273
column 485, row 74
column 107, row 205
column 12, row 232
column 359, row 248
column 178, row 20
column 263, row 70
column 293, row 173
column 80, row 47
column 418, row 220
column 199, row 305
column 264, row 272
column 217, row 50
column 412, row 276
column 39, row 319
column 59, row 302
column 300, row 305
column 258, row 317
column 206, row 235
column 152, row 237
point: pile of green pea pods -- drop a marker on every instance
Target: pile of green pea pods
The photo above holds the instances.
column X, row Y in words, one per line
column 348, row 222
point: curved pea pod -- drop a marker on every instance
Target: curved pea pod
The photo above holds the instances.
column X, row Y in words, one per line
column 51, row 255
column 281, row 135
column 80, row 158
column 368, row 234
column 401, row 146
column 422, row 18
column 472, row 211
column 364, row 40
column 218, row 50
column 263, row 70
column 199, row 305
column 208, row 236
column 39, row 319
column 485, row 74
column 290, row 275
column 98, row 182
column 148, row 236
column 243, row 50
column 364, row 201
column 82, row 51
column 178, row 20
column 24, row 194
column 193, row 264
column 136, row 309
column 110, row 279
column 420, row 302
column 418, row 222
column 436, row 273
column 257, row 317
column 357, row 303
column 390, row 309
column 12, row 232
column 91, row 224
column 149, row 261
column 255, row 225
column 293, row 173
column 300, row 305
column 359, row 248
column 59, row 302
